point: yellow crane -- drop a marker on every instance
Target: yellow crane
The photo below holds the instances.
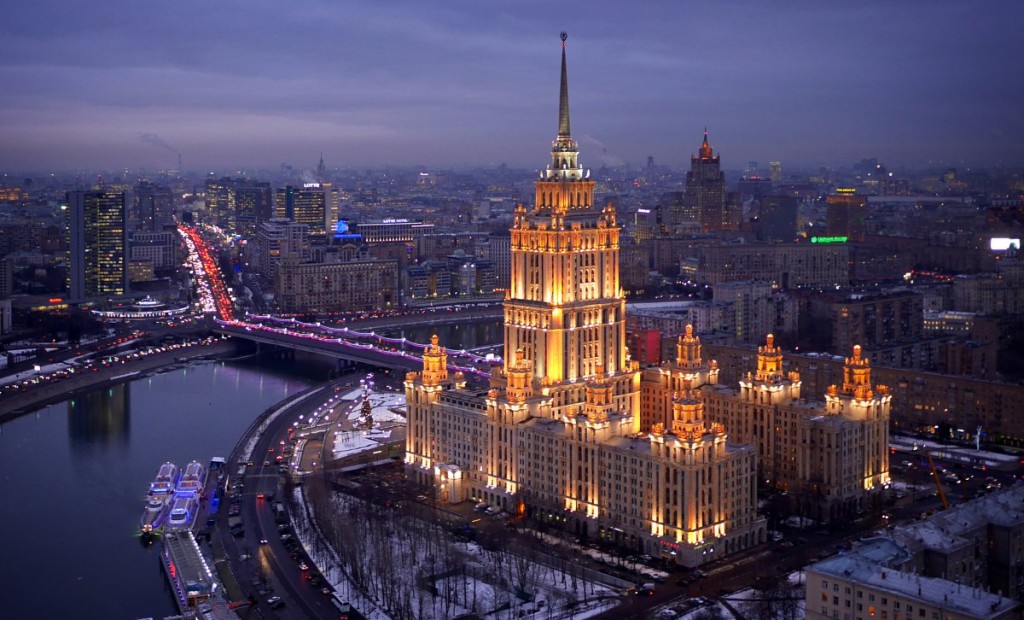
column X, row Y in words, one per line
column 938, row 480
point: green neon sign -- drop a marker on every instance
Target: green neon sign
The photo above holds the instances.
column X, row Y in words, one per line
column 829, row 239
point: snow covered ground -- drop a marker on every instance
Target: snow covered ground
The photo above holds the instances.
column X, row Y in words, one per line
column 784, row 602
column 389, row 564
column 354, row 442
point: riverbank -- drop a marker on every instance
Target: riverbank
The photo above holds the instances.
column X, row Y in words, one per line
column 14, row 404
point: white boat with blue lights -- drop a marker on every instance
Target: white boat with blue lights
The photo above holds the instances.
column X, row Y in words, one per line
column 158, row 500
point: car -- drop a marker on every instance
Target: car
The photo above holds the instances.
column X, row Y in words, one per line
column 325, row 591
column 260, row 496
column 646, row 589
column 266, row 463
column 263, row 541
column 303, row 566
column 270, row 451
column 275, row 602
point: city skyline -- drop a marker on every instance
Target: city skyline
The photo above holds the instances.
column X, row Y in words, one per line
column 412, row 84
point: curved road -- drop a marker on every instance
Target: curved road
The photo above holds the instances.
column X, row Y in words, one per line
column 273, row 559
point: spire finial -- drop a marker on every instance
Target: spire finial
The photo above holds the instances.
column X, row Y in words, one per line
column 705, row 148
column 563, row 100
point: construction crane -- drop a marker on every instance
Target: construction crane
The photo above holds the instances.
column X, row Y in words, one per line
column 938, row 481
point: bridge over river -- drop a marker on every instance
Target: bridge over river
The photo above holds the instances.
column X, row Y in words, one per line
column 363, row 345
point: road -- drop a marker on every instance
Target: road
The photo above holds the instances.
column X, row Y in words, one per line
column 273, row 562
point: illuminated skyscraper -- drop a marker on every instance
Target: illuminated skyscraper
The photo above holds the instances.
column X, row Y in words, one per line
column 97, row 245
column 306, row 205
column 705, row 191
column 556, row 435
column 239, row 206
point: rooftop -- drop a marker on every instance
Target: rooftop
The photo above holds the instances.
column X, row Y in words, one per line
column 927, row 590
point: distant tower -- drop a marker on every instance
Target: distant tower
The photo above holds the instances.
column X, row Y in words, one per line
column 705, row 190
column 775, row 172
column 845, row 214
column 321, row 170
column 97, row 245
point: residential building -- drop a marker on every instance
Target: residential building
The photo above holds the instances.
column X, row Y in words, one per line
column 830, row 457
column 345, row 279
column 786, row 266
column 854, row 586
column 281, row 240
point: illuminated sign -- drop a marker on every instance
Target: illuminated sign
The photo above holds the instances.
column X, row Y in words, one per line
column 1001, row 244
column 55, row 300
column 311, row 186
column 829, row 239
column 845, row 190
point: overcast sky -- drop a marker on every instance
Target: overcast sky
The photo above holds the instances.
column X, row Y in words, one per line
column 253, row 83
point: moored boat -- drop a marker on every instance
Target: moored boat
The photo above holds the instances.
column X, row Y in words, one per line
column 183, row 512
column 158, row 500
column 192, row 481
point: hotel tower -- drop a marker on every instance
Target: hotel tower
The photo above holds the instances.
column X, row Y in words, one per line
column 556, row 435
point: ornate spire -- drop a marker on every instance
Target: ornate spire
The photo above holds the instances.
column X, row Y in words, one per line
column 705, row 148
column 563, row 98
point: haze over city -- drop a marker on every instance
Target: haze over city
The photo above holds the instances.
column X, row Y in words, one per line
column 463, row 84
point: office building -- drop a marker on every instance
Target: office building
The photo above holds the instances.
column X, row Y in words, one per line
column 152, row 207
column 776, row 221
column 705, row 193
column 556, row 435
column 97, row 245
column 845, row 214
column 307, row 205
column 159, row 249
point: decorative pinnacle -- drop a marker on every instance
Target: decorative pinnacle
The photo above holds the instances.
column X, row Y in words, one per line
column 563, row 100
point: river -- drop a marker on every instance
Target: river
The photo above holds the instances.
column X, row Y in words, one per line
column 73, row 477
